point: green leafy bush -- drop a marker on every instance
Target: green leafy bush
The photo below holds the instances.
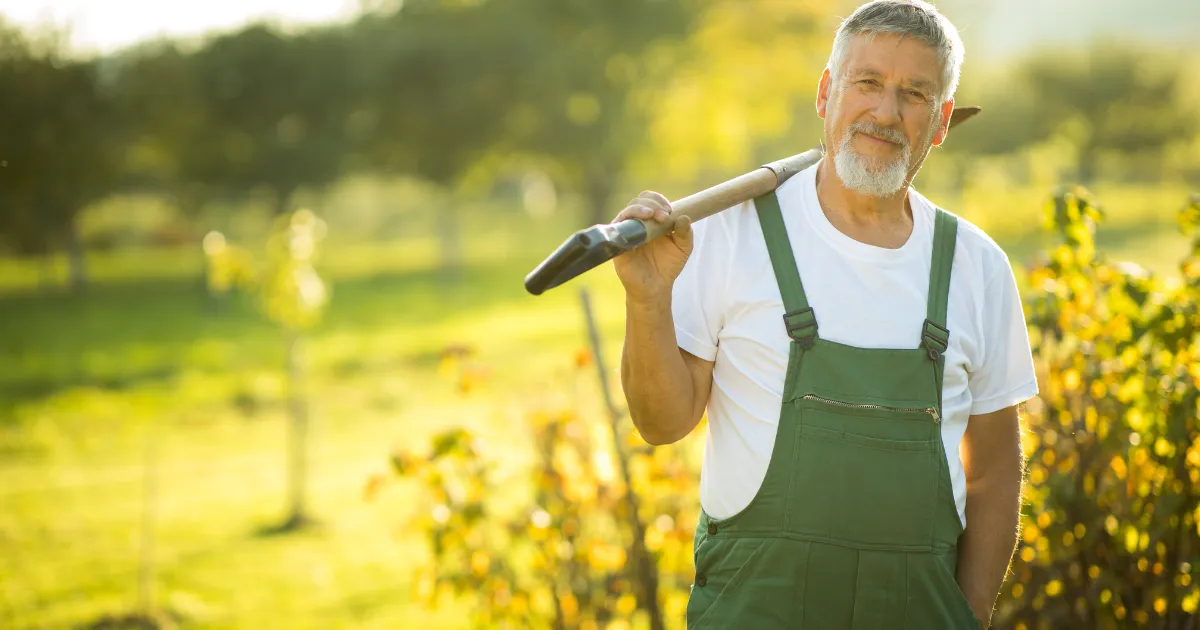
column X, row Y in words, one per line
column 1110, row 534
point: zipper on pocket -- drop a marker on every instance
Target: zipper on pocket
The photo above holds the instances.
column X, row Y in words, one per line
column 933, row 413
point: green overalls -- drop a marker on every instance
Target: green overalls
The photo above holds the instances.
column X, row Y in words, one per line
column 855, row 525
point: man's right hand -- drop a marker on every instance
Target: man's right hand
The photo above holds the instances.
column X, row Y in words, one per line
column 648, row 271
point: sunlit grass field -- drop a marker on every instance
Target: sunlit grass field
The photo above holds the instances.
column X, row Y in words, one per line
column 143, row 369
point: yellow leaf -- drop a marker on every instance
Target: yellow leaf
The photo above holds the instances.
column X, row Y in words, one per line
column 569, row 606
column 1071, row 380
column 1190, row 601
column 480, row 563
column 1118, row 466
column 1131, row 539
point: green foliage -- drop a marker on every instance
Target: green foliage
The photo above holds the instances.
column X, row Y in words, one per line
column 560, row 558
column 1110, row 536
column 161, row 100
column 1108, row 99
column 83, row 376
column 61, row 145
column 288, row 288
column 293, row 294
column 277, row 107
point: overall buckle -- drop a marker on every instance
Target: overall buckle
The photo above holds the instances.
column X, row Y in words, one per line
column 801, row 326
column 935, row 339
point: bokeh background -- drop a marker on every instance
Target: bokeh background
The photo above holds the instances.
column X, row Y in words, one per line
column 266, row 360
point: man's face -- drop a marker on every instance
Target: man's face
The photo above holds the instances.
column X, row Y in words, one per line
column 882, row 113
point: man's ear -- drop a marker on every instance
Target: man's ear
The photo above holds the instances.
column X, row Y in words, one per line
column 947, row 110
column 823, row 92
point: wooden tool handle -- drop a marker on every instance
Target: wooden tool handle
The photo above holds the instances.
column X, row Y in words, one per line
column 753, row 184
column 732, row 192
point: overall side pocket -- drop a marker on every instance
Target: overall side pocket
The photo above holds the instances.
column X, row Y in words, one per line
column 722, row 566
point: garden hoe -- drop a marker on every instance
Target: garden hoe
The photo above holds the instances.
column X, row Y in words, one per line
column 598, row 244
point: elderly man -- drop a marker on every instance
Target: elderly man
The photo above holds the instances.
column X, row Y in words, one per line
column 861, row 353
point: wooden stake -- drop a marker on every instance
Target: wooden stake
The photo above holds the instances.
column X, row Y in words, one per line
column 645, row 573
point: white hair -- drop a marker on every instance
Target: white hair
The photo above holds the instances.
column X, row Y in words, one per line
column 906, row 18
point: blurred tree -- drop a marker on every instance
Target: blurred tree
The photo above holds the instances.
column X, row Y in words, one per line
column 293, row 296
column 162, row 104
column 60, row 147
column 276, row 110
column 740, row 93
column 1108, row 98
column 441, row 80
column 587, row 100
column 558, row 82
column 686, row 90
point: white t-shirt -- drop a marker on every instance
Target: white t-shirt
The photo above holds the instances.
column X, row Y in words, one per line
column 727, row 308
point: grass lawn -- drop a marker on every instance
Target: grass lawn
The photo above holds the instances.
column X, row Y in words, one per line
column 88, row 383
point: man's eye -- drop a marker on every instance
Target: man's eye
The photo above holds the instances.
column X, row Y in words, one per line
column 916, row 95
column 869, row 82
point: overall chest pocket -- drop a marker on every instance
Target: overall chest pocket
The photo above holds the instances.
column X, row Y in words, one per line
column 866, row 476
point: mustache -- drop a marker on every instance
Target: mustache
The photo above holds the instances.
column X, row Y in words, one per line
column 879, row 131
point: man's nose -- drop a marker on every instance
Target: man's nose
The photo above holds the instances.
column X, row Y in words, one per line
column 887, row 108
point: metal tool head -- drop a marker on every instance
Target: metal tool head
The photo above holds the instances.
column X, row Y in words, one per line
column 962, row 113
column 585, row 249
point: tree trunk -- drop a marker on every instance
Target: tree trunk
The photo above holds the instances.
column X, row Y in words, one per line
column 645, row 570
column 283, row 199
column 450, row 239
column 76, row 258
column 599, row 191
column 298, row 435
column 47, row 275
column 1089, row 159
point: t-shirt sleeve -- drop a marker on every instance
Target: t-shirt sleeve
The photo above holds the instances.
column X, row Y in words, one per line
column 1006, row 374
column 696, row 298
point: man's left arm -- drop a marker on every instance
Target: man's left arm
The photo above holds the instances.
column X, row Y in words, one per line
column 994, row 464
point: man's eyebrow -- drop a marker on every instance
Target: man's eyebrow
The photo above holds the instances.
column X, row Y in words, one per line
column 920, row 84
column 867, row 72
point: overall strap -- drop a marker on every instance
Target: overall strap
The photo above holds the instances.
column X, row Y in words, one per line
column 798, row 318
column 935, row 338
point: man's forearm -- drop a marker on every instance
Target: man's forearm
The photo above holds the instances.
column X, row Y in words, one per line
column 987, row 545
column 656, row 380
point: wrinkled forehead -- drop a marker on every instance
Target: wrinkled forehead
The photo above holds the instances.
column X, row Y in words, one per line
column 904, row 59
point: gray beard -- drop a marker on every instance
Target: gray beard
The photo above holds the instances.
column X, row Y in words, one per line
column 872, row 176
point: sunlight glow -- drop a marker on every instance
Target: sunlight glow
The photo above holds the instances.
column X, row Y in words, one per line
column 101, row 26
